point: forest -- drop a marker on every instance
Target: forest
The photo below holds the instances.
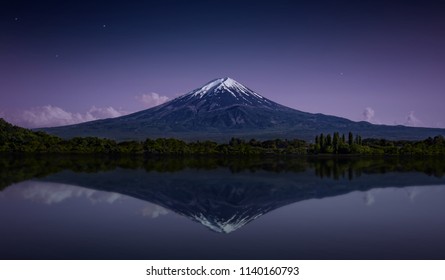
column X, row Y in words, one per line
column 14, row 139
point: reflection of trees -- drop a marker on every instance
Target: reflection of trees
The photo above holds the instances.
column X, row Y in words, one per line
column 19, row 168
column 350, row 168
column 337, row 168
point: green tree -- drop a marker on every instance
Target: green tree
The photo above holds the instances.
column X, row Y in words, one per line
column 335, row 142
column 322, row 142
column 350, row 139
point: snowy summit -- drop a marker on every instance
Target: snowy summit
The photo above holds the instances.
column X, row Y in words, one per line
column 224, row 84
column 221, row 93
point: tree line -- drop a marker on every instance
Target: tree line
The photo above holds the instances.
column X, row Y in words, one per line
column 15, row 139
column 354, row 144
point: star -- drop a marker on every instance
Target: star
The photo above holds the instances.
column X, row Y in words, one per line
column 57, row 56
column 104, row 25
column 16, row 19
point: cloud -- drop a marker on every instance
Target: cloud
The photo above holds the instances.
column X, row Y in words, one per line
column 412, row 120
column 152, row 99
column 413, row 192
column 49, row 116
column 153, row 211
column 368, row 114
column 369, row 199
column 54, row 193
column 104, row 113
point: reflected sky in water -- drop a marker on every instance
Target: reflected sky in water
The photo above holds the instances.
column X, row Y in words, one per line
column 216, row 214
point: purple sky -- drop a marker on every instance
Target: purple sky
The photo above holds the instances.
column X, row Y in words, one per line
column 62, row 63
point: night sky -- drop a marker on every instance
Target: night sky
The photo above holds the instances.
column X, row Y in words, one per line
column 63, row 62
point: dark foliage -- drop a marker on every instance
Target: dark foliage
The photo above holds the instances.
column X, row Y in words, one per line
column 15, row 139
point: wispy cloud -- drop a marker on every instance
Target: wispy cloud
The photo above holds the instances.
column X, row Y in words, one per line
column 369, row 198
column 368, row 114
column 54, row 193
column 152, row 99
column 103, row 113
column 412, row 120
column 48, row 116
column 153, row 211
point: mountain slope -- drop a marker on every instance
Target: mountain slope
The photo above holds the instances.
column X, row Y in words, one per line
column 224, row 108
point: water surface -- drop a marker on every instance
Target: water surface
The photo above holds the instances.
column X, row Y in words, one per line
column 196, row 208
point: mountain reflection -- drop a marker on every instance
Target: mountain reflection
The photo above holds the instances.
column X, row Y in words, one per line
column 222, row 194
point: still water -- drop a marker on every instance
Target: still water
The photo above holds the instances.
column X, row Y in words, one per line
column 196, row 208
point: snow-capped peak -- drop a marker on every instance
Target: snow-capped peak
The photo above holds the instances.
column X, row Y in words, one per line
column 231, row 83
column 224, row 84
column 218, row 94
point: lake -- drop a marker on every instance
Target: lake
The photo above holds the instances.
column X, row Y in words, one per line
column 54, row 207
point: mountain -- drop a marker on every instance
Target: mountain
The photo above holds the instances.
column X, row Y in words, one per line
column 224, row 108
